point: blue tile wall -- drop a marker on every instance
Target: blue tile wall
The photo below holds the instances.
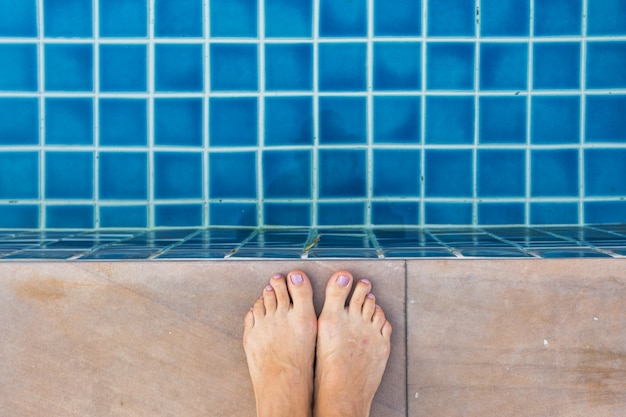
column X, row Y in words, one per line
column 311, row 113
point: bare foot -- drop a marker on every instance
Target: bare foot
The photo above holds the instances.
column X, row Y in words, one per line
column 279, row 340
column 352, row 349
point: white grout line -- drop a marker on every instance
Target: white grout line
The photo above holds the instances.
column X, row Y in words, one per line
column 96, row 114
column 42, row 116
column 422, row 173
column 150, row 221
column 476, row 116
column 529, row 87
column 583, row 114
column 316, row 130
column 370, row 114
column 260, row 113
column 206, row 214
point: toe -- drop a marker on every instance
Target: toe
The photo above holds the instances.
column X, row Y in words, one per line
column 337, row 291
column 363, row 287
column 300, row 291
column 379, row 318
column 369, row 306
column 386, row 330
column 269, row 299
column 280, row 290
column 248, row 321
column 258, row 310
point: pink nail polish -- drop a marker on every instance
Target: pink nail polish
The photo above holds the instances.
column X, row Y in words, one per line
column 269, row 288
column 277, row 276
column 342, row 280
column 366, row 281
column 296, row 279
column 370, row 295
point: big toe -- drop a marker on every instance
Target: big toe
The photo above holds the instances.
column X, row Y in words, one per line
column 337, row 291
column 300, row 290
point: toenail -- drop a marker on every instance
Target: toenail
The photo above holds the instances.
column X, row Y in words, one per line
column 342, row 280
column 296, row 279
column 365, row 281
column 277, row 276
column 269, row 288
column 370, row 295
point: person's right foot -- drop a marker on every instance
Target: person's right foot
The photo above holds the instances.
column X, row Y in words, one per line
column 352, row 349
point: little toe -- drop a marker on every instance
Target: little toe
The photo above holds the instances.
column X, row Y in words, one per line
column 300, row 291
column 280, row 290
column 369, row 306
column 386, row 330
column 248, row 320
column 378, row 318
column 259, row 309
column 269, row 299
column 363, row 287
column 337, row 291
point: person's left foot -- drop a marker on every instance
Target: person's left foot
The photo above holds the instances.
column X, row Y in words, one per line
column 279, row 340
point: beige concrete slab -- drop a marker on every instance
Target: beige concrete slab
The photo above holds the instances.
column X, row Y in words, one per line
column 517, row 338
column 155, row 338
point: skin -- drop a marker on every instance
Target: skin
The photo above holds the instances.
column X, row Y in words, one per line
column 349, row 343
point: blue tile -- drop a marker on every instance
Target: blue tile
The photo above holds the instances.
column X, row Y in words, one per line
column 605, row 172
column 503, row 66
column 605, row 212
column 123, row 68
column 605, row 64
column 70, row 217
column 178, row 18
column 69, row 175
column 234, row 67
column 342, row 173
column 504, row 17
column 501, row 213
column 177, row 175
column 605, row 119
column 448, row 173
column 288, row 121
column 234, row 18
column 288, row 67
column 287, row 214
column 450, row 120
column 606, row 17
column 233, row 214
column 178, row 121
column 395, row 213
column 501, row 173
column 397, row 66
column 396, row 173
column 558, row 17
column 69, row 121
column 287, row 174
column 554, row 173
column 502, row 120
column 448, row 213
column 553, row 213
column 19, row 175
column 123, row 18
column 178, row 215
column 67, row 18
column 233, row 175
column 343, row 120
column 123, row 176
column 397, row 119
column 343, row 18
column 450, row 66
column 19, row 69
column 233, row 121
column 123, row 216
column 288, row 19
column 555, row 120
column 342, row 67
column 340, row 214
column 18, row 18
column 397, row 17
column 178, row 67
column 452, row 18
column 123, row 122
column 68, row 67
column 19, row 121
column 19, row 216
column 556, row 66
